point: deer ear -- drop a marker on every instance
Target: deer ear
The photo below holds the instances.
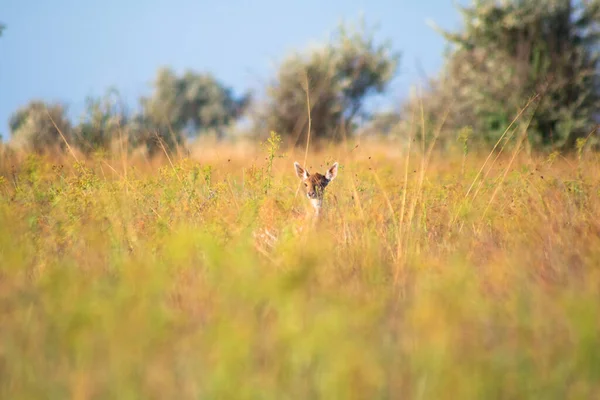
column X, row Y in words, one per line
column 332, row 172
column 301, row 172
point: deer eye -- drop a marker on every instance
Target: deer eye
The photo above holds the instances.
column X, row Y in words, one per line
column 305, row 184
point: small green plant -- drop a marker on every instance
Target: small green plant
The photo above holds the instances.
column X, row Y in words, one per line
column 552, row 157
column 207, row 171
column 463, row 137
column 272, row 145
column 580, row 145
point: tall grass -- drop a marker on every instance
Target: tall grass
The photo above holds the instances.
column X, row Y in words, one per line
column 130, row 280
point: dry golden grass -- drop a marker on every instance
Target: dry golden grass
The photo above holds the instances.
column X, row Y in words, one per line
column 121, row 278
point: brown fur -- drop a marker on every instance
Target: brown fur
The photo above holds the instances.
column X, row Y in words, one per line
column 315, row 184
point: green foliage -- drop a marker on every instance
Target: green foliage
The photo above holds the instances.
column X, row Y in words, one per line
column 510, row 51
column 143, row 132
column 107, row 126
column 272, row 145
column 2, row 28
column 463, row 137
column 104, row 121
column 38, row 126
column 338, row 77
column 196, row 103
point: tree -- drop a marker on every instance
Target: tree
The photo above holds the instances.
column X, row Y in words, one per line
column 2, row 28
column 40, row 127
column 193, row 102
column 143, row 132
column 510, row 51
column 338, row 76
column 104, row 121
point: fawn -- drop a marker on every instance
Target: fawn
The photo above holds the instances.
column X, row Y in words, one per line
column 316, row 183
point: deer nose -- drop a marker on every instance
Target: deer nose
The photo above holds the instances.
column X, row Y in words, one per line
column 312, row 194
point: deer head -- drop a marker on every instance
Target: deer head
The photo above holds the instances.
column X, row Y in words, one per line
column 315, row 184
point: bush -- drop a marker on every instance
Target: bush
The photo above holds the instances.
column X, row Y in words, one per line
column 510, row 52
column 338, row 76
column 195, row 103
column 102, row 124
column 38, row 127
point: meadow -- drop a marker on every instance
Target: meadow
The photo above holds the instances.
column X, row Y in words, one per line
column 430, row 275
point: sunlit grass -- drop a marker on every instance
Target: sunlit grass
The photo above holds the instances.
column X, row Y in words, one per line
column 151, row 280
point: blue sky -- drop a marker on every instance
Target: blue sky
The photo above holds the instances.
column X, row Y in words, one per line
column 68, row 49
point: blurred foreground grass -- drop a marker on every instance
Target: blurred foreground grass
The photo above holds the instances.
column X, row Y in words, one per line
column 124, row 280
